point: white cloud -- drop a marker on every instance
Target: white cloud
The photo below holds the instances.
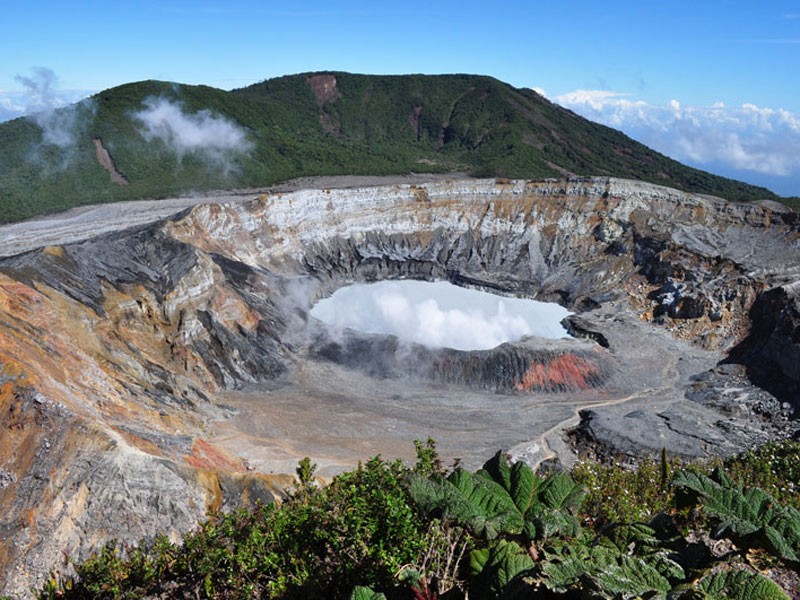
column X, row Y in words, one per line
column 50, row 108
column 202, row 132
column 12, row 101
column 11, row 105
column 595, row 99
column 439, row 314
column 751, row 138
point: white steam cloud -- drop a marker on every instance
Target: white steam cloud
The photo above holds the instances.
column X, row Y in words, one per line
column 439, row 314
column 215, row 137
column 49, row 108
column 748, row 137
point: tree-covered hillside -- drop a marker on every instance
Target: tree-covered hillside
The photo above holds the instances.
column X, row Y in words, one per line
column 168, row 139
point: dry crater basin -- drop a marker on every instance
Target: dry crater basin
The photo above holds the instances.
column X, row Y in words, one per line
column 151, row 373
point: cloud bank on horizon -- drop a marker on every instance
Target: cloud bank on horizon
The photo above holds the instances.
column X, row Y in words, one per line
column 747, row 142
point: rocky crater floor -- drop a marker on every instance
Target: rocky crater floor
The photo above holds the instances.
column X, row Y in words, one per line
column 151, row 373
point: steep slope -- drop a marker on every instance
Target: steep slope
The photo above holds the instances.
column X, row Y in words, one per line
column 312, row 124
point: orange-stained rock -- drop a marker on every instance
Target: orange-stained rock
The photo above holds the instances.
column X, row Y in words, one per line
column 565, row 371
column 206, row 456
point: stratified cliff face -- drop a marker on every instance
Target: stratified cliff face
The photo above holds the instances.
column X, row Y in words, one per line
column 116, row 353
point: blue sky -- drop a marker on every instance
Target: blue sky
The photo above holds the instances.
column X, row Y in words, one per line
column 633, row 61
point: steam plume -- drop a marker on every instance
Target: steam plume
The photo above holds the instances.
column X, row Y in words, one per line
column 45, row 106
column 439, row 314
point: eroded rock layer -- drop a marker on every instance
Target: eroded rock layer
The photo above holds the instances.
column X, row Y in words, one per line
column 522, row 366
column 116, row 350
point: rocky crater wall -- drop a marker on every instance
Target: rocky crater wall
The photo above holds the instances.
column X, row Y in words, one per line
column 113, row 349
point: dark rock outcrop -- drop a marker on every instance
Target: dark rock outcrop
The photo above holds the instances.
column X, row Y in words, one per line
column 532, row 365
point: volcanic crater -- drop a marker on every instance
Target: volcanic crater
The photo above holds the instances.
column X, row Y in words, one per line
column 151, row 373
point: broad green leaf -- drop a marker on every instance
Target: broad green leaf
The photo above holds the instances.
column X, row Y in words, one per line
column 502, row 499
column 364, row 593
column 518, row 480
column 549, row 522
column 497, row 571
column 629, row 539
column 564, row 565
column 529, row 530
column 559, row 491
column 735, row 584
column 490, row 497
column 721, row 477
column 524, row 484
column 630, row 577
column 498, row 470
column 751, row 518
column 480, row 505
column 609, row 572
column 662, row 563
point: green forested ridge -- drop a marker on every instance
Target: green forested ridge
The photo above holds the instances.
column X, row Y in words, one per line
column 386, row 530
column 370, row 125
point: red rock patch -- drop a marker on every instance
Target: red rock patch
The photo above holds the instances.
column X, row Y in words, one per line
column 568, row 371
column 207, row 456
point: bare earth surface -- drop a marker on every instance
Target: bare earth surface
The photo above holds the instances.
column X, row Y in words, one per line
column 86, row 222
column 339, row 417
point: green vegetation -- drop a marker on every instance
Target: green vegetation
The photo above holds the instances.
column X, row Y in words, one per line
column 501, row 499
column 617, row 494
column 369, row 125
column 386, row 530
column 751, row 518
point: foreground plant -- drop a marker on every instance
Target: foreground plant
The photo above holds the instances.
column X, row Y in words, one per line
column 502, row 499
column 386, row 531
column 752, row 518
